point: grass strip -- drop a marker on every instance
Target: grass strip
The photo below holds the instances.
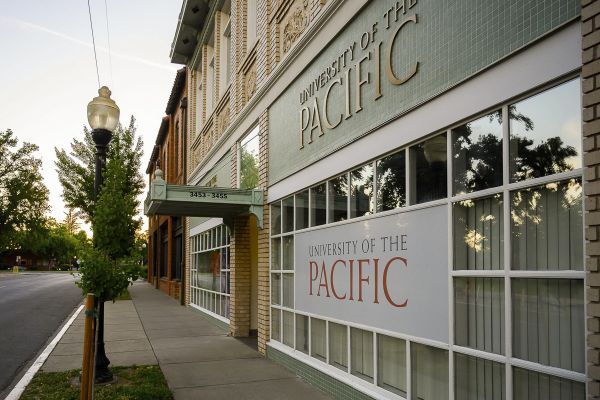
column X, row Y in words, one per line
column 124, row 296
column 133, row 383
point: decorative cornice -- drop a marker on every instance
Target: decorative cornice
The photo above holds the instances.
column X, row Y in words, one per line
column 320, row 21
column 176, row 90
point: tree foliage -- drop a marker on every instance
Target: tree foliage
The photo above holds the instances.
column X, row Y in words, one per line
column 23, row 195
column 71, row 221
column 248, row 170
column 76, row 167
column 107, row 268
column 115, row 223
column 105, row 277
column 53, row 241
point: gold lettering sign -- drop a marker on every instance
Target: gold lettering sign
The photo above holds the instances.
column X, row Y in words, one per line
column 359, row 65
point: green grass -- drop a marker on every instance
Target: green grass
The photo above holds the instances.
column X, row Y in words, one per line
column 124, row 296
column 133, row 383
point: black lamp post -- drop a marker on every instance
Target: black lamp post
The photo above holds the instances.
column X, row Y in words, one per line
column 103, row 116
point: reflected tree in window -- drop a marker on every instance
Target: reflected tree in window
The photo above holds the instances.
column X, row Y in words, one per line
column 391, row 182
column 249, row 162
column 338, row 198
column 545, row 133
column 477, row 154
column 361, row 191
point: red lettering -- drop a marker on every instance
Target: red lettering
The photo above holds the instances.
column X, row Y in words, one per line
column 332, row 280
column 376, row 300
column 312, row 279
column 361, row 278
column 385, row 285
column 323, row 281
column 351, row 280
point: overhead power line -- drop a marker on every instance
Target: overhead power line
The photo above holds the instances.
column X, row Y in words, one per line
column 94, row 42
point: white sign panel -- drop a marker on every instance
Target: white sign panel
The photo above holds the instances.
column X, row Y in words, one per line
column 389, row 272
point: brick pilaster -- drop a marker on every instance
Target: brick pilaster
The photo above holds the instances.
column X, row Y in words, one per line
column 264, row 238
column 590, row 29
column 239, row 322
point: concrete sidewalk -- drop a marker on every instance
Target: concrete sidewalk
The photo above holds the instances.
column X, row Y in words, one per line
column 196, row 356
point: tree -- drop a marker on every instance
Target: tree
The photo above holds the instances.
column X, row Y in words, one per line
column 108, row 268
column 76, row 168
column 23, row 195
column 114, row 222
column 249, row 170
column 71, row 221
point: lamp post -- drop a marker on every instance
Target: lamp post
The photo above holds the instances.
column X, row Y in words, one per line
column 103, row 116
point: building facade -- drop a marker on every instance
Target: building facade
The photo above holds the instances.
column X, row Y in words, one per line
column 427, row 171
column 166, row 245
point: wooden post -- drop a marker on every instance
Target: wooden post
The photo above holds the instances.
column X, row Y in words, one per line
column 87, row 370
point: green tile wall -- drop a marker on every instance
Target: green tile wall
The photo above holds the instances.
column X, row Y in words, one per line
column 453, row 40
column 329, row 385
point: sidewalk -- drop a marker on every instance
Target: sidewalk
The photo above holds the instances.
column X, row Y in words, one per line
column 196, row 356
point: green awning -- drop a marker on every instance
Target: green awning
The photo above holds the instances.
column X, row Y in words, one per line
column 202, row 201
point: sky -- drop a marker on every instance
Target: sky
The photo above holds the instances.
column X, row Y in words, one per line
column 48, row 73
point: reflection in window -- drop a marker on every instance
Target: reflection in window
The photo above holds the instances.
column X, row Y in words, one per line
column 548, row 322
column 302, row 210
column 479, row 313
column 338, row 198
column 302, row 333
column 361, row 353
column 429, row 374
column 276, row 289
column 391, row 364
column 276, row 218
column 288, row 328
column 276, row 253
column 476, row 378
column 546, row 227
column 249, row 161
column 391, row 181
column 275, row 324
column 478, row 233
column 288, row 290
column 531, row 385
column 477, row 154
column 288, row 252
column 545, row 133
column 287, row 212
column 318, row 339
column 338, row 346
column 428, row 160
column 318, row 205
column 361, row 191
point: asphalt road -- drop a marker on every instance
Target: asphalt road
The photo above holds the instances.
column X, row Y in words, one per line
column 32, row 308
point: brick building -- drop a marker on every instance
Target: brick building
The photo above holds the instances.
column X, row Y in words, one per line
column 398, row 198
column 166, row 246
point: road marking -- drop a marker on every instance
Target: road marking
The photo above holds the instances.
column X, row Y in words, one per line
column 19, row 388
column 2, row 286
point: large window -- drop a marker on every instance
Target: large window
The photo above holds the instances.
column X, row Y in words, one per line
column 225, row 53
column 210, row 80
column 249, row 160
column 210, row 271
column 511, row 180
column 251, row 23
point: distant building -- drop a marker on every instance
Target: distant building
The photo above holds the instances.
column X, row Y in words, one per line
column 391, row 195
column 166, row 245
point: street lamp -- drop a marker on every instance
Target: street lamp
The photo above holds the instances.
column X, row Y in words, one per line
column 103, row 116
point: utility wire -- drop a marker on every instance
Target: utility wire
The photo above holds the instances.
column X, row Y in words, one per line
column 94, row 43
column 108, row 36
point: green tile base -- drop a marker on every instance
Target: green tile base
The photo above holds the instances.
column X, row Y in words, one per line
column 326, row 383
column 212, row 319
